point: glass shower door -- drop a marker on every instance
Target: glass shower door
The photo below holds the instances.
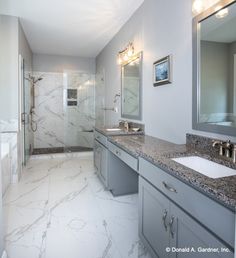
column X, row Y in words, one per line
column 79, row 111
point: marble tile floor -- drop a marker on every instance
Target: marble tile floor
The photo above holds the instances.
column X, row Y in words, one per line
column 60, row 209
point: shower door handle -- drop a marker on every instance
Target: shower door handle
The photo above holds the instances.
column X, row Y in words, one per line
column 23, row 118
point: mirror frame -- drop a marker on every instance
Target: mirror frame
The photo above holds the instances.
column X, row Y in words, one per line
column 139, row 116
column 221, row 129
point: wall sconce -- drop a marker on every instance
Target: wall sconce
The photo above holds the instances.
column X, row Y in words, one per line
column 126, row 54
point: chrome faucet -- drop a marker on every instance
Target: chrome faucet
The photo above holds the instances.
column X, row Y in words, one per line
column 227, row 149
column 126, row 125
column 234, row 153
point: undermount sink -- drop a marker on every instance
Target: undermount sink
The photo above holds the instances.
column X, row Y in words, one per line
column 206, row 167
column 113, row 129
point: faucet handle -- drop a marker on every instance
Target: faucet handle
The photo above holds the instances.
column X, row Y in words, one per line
column 234, row 153
column 227, row 144
column 216, row 142
column 220, row 144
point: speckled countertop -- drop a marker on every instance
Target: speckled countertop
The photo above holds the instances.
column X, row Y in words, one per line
column 160, row 152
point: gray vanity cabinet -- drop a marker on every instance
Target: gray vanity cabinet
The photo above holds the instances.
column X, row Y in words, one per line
column 115, row 168
column 100, row 162
column 164, row 224
column 187, row 232
column 153, row 218
column 97, row 156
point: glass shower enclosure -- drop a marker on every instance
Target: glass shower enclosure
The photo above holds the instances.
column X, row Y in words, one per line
column 79, row 110
column 64, row 112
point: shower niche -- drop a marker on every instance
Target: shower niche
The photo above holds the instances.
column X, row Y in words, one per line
column 72, row 97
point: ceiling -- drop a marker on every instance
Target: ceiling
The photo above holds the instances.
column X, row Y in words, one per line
column 70, row 27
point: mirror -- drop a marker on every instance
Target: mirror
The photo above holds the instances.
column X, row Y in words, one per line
column 214, row 69
column 131, row 88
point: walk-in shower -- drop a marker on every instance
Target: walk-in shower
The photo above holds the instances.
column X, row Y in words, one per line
column 64, row 111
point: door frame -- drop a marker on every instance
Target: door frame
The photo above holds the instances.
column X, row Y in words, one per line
column 21, row 113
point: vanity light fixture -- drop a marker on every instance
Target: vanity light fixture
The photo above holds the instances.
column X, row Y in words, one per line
column 222, row 13
column 126, row 54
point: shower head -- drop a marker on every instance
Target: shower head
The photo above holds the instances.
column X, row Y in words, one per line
column 39, row 79
column 33, row 79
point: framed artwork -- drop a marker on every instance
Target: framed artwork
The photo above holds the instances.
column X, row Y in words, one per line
column 162, row 73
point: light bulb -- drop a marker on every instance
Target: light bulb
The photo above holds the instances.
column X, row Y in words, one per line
column 130, row 50
column 126, row 58
column 197, row 6
column 119, row 60
column 222, row 13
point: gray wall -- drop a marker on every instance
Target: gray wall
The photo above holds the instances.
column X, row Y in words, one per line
column 24, row 49
column 8, row 68
column 158, row 28
column 214, row 78
column 232, row 52
column 13, row 42
column 52, row 63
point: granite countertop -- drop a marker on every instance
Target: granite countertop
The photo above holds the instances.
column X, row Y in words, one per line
column 160, row 153
column 103, row 130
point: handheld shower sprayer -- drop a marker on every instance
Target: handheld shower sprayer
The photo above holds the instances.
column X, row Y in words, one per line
column 33, row 80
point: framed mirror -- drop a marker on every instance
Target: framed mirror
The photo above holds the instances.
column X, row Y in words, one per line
column 131, row 88
column 214, row 69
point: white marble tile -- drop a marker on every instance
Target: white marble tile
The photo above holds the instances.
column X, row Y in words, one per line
column 5, row 173
column 9, row 125
column 11, row 139
column 60, row 209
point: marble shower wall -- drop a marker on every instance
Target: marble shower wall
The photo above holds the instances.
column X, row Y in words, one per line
column 100, row 98
column 60, row 125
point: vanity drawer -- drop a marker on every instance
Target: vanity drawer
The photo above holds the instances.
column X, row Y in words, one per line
column 124, row 156
column 100, row 137
column 210, row 213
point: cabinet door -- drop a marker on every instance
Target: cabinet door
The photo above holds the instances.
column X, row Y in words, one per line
column 153, row 219
column 103, row 171
column 185, row 232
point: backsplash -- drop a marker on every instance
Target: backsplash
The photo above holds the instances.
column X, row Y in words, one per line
column 202, row 144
